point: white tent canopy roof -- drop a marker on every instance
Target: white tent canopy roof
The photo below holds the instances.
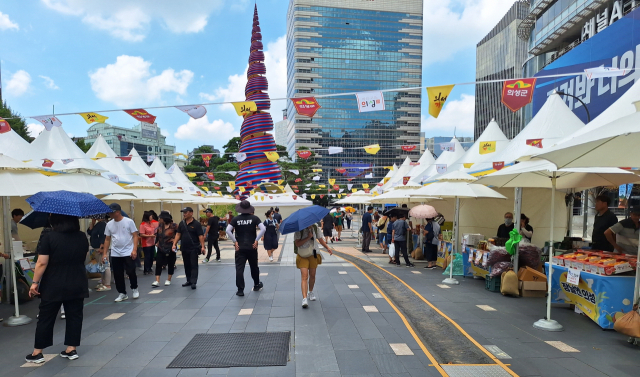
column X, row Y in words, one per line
column 91, row 184
column 13, row 145
column 425, row 160
column 280, row 200
column 358, row 197
column 446, row 158
column 448, row 189
column 111, row 163
column 137, row 164
column 390, row 173
column 402, row 171
column 27, row 182
column 56, row 145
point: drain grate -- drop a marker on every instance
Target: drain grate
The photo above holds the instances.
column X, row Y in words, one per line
column 474, row 370
column 234, row 350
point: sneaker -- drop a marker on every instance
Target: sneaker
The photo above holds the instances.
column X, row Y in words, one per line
column 69, row 355
column 136, row 294
column 218, row 260
column 430, row 268
column 168, row 282
column 270, row 259
column 305, row 303
column 312, row 296
column 240, row 293
column 193, row 286
column 121, row 297
column 411, row 265
column 331, row 240
column 37, row 359
column 155, row 284
column 187, row 284
column 205, row 261
column 258, row 287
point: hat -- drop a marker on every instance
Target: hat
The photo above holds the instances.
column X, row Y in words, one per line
column 115, row 207
column 208, row 210
column 244, row 207
column 187, row 209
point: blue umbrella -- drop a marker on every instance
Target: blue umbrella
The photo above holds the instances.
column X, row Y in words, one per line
column 68, row 203
column 302, row 219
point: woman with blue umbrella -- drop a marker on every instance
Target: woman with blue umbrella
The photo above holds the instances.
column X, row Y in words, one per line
column 60, row 277
column 304, row 223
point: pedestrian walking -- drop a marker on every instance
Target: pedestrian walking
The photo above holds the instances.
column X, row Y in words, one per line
column 338, row 222
column 367, row 230
column 122, row 237
column 191, row 235
column 96, row 240
column 431, row 235
column 277, row 216
column 392, row 219
column 148, row 239
column 327, row 227
column 308, row 259
column 382, row 233
column 60, row 279
column 246, row 244
column 270, row 238
column 349, row 217
column 212, row 235
column 399, row 238
column 165, row 235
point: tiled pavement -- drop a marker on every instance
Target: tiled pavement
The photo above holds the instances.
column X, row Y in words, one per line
column 335, row 336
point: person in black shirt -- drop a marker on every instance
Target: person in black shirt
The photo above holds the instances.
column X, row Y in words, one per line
column 277, row 216
column 192, row 236
column 327, row 227
column 60, row 279
column 246, row 243
column 604, row 220
column 212, row 234
column 504, row 229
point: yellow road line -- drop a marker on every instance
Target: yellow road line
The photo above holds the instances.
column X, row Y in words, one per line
column 495, row 359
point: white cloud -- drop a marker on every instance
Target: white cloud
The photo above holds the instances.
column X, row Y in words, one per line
column 19, row 83
column 48, row 82
column 130, row 20
column 130, row 81
column 201, row 129
column 275, row 56
column 6, row 23
column 456, row 114
column 448, row 25
column 34, row 129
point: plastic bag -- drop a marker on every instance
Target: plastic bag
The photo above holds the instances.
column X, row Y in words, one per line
column 629, row 324
column 528, row 255
column 501, row 267
column 392, row 250
column 458, row 268
column 497, row 254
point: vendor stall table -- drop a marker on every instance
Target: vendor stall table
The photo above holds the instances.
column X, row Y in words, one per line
column 601, row 298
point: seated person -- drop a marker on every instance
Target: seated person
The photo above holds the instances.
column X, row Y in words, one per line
column 624, row 235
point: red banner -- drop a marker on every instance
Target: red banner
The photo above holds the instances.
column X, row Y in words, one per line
column 349, row 179
column 341, row 171
column 199, row 183
column 498, row 165
column 321, row 196
column 405, row 180
column 210, row 176
column 298, row 180
column 294, row 187
column 306, row 106
column 304, row 154
column 207, row 158
column 535, row 143
column 408, row 148
column 157, row 183
column 125, row 158
column 4, row 126
column 336, row 187
column 296, row 191
column 367, row 190
column 217, row 187
column 517, row 93
column 47, row 163
column 380, row 184
column 141, row 115
column 152, row 175
column 295, row 196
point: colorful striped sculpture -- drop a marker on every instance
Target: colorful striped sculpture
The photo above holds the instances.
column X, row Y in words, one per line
column 254, row 131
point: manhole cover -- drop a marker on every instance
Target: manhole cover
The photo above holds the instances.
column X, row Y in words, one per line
column 234, row 350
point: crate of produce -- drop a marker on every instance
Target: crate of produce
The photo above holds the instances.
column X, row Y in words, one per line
column 492, row 283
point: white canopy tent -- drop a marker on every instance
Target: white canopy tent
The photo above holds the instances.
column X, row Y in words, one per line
column 159, row 169
column 108, row 159
column 91, row 184
column 425, row 161
column 56, row 146
column 182, row 180
column 396, row 178
column 446, row 158
column 389, row 173
column 285, row 202
column 13, row 145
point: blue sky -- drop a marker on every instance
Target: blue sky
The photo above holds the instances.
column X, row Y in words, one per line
column 87, row 56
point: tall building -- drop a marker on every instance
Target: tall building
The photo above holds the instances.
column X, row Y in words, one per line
column 568, row 36
column 500, row 55
column 346, row 46
column 146, row 138
column 280, row 130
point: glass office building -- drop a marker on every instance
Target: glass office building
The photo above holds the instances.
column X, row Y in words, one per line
column 347, row 46
column 500, row 55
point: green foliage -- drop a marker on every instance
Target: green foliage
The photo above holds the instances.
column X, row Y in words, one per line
column 280, row 149
column 232, row 146
column 18, row 124
column 83, row 146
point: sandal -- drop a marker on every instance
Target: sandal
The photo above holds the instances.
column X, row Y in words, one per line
column 103, row 288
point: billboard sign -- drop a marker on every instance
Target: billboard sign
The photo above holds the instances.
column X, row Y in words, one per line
column 604, row 49
column 149, row 131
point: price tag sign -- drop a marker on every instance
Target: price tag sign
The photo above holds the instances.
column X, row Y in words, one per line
column 370, row 101
column 573, row 276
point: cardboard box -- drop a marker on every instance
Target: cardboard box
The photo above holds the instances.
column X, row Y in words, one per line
column 529, row 274
column 532, row 288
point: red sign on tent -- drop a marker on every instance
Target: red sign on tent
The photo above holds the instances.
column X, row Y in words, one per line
column 517, row 93
column 535, row 143
column 295, row 196
column 151, row 175
column 47, row 163
column 405, row 180
column 498, row 165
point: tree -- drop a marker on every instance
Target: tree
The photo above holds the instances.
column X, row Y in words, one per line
column 232, row 146
column 83, row 146
column 281, row 148
column 17, row 124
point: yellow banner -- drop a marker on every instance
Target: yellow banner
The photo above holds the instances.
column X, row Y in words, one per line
column 388, row 167
column 332, row 181
column 316, row 170
column 191, row 175
column 99, row 155
column 262, row 198
column 365, row 185
column 181, row 155
column 487, row 147
column 322, row 186
column 232, row 184
column 313, row 196
column 272, row 156
column 339, row 196
column 437, row 96
column 219, row 193
column 354, row 190
column 241, row 189
column 280, row 181
column 372, row 149
column 245, row 108
column 467, row 165
column 386, row 179
column 281, row 188
column 205, row 188
column 93, row 117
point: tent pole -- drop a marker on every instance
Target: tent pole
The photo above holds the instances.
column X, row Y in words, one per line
column 585, row 214
column 456, row 243
column 517, row 210
column 547, row 323
column 6, row 233
column 570, row 215
column 17, row 319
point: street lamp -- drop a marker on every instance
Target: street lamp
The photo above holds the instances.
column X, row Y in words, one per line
column 579, row 100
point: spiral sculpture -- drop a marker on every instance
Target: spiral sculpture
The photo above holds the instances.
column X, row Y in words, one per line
column 254, row 131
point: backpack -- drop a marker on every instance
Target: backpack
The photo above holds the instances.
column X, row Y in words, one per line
column 315, row 233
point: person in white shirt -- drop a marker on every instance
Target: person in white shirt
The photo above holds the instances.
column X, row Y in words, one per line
column 122, row 236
